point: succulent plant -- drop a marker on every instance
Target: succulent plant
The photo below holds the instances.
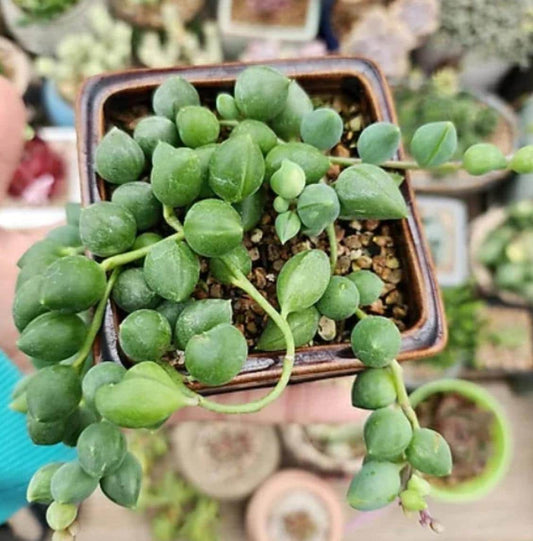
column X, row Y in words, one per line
column 44, row 9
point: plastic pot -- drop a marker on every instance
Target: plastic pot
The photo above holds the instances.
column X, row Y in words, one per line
column 501, row 440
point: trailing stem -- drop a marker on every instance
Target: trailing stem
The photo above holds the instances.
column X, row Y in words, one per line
column 171, row 218
column 333, row 250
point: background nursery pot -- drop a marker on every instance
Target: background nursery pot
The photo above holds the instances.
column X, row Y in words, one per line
column 118, row 95
column 500, row 439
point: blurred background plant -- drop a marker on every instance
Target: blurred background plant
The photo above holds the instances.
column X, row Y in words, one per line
column 44, row 9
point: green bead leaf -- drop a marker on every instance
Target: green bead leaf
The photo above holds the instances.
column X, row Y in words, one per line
column 367, row 192
column 261, row 92
column 119, row 158
column 340, row 300
column 251, row 209
column 139, row 199
column 107, row 228
column 322, row 128
column 200, row 316
column 387, row 433
column 76, row 423
column 176, row 175
column 378, row 142
column 70, row 484
column 39, row 488
column 172, row 95
column 376, row 341
column 434, row 144
column 150, row 370
column 287, row 123
column 412, row 501
column 27, row 304
column 280, row 205
column 65, row 235
column 226, row 107
column 43, row 432
column 124, row 485
column 197, row 126
column 318, row 206
column 204, row 154
column 260, row 133
column 145, row 335
column 236, row 169
column 172, row 270
column 374, row 486
column 374, row 388
column 369, row 285
column 310, row 159
column 47, row 250
column 303, row 280
column 60, row 516
column 72, row 211
column 98, row 375
column 429, row 453
column 303, row 325
column 238, row 257
column 171, row 310
column 131, row 292
column 522, row 160
column 288, row 181
column 217, row 355
column 212, row 228
column 151, row 130
column 287, row 225
column 53, row 336
column 483, row 158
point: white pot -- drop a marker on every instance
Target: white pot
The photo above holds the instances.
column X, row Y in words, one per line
column 42, row 37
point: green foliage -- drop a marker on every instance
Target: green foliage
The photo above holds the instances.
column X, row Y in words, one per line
column 314, row 164
column 260, row 133
column 173, row 94
column 434, row 144
column 45, row 9
column 522, row 161
column 378, row 142
column 387, row 434
column 151, row 130
column 71, row 484
column 288, row 181
column 139, row 199
column 197, row 126
column 131, row 292
column 238, row 257
column 483, row 158
column 98, row 375
column 287, row 123
column 318, row 206
column 287, row 225
column 376, row 341
column 429, row 453
column 340, row 300
column 369, row 285
column 374, row 388
column 322, row 128
column 39, row 486
column 226, row 107
column 124, row 485
column 60, row 516
column 27, row 304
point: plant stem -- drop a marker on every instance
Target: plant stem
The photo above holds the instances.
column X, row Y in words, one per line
column 95, row 323
column 229, row 123
column 360, row 314
column 123, row 259
column 398, row 164
column 171, row 219
column 333, row 252
column 288, row 361
column 403, row 398
column 72, row 250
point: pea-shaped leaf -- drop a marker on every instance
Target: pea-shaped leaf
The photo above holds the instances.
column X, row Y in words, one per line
column 45, row 432
column 310, row 159
column 77, row 422
column 46, row 249
column 107, row 228
column 287, row 123
column 374, row 486
column 137, row 402
column 172, row 270
column 172, row 95
column 39, row 488
column 289, row 180
column 98, row 375
column 261, row 134
column 374, row 388
column 119, row 158
column 376, row 341
column 303, row 325
column 236, row 169
column 65, row 235
column 251, row 209
column 287, row 225
column 483, row 158
column 53, row 336
column 411, row 500
column 368, row 192
column 59, row 516
column 429, row 453
column 340, row 300
column 70, row 484
column 281, row 205
column 27, row 304
column 204, row 154
column 171, row 310
column 261, row 92
column 387, row 433
column 150, row 370
column 369, row 285
column 226, row 107
column 212, row 228
column 217, row 355
column 143, row 241
column 101, row 449
column 200, row 316
column 145, row 335
column 73, row 284
column 378, row 142
column 176, row 175
column 238, row 257
column 303, row 280
column 522, row 160
column 197, row 126
column 139, row 199
column 124, row 485
column 434, row 144
column 131, row 292
column 322, row 128
column 318, row 206
column 72, row 211
column 151, row 130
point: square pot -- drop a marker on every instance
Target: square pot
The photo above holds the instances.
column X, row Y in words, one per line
column 354, row 77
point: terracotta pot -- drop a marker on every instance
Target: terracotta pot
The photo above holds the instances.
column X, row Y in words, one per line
column 292, row 501
column 358, row 78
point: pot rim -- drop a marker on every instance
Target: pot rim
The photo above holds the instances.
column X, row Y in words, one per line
column 498, row 463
